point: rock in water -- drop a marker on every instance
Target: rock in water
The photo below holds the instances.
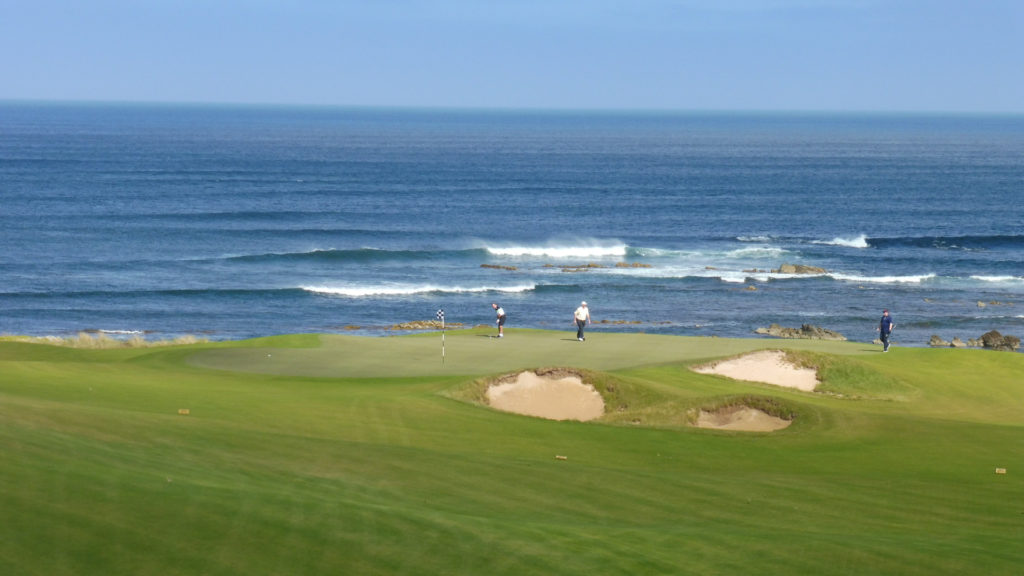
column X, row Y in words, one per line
column 799, row 269
column 806, row 332
column 993, row 340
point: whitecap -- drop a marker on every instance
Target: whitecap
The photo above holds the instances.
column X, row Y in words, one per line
column 407, row 290
column 757, row 252
column 998, row 278
column 568, row 249
column 561, row 252
column 657, row 252
column 914, row 279
column 858, row 242
column 683, row 272
column 734, row 278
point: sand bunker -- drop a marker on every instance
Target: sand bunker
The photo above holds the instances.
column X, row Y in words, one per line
column 741, row 418
column 556, row 397
column 768, row 366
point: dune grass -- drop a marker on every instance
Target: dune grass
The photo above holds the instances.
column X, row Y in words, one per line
column 101, row 340
column 351, row 455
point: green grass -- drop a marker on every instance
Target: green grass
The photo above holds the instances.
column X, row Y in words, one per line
column 349, row 455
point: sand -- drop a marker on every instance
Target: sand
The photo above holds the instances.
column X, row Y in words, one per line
column 767, row 366
column 562, row 396
column 741, row 418
column 558, row 397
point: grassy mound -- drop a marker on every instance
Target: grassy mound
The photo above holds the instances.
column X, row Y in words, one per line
column 332, row 454
column 849, row 377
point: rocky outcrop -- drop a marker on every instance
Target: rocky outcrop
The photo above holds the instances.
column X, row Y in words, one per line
column 798, row 269
column 993, row 340
column 805, row 332
column 577, row 268
column 424, row 325
column 993, row 303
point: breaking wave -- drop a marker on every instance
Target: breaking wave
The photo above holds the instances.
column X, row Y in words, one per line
column 912, row 279
column 999, row 279
column 858, row 242
column 410, row 289
column 358, row 255
column 567, row 251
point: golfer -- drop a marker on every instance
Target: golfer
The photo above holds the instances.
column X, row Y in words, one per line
column 581, row 316
column 500, row 320
column 885, row 327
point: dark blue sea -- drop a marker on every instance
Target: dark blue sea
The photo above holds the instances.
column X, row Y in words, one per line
column 232, row 222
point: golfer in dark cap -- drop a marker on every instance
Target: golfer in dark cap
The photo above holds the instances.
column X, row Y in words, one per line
column 885, row 329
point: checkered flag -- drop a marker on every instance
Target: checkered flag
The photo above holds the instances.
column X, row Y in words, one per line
column 440, row 314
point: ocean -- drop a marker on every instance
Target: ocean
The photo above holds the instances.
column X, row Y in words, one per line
column 230, row 222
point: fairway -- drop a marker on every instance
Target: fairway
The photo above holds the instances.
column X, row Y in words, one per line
column 325, row 454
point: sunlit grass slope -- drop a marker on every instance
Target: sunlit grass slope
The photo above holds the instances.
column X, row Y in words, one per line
column 346, row 455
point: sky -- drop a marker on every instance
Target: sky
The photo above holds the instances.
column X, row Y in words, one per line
column 801, row 55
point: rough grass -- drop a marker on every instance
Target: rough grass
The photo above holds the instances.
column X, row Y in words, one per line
column 851, row 377
column 768, row 404
column 389, row 473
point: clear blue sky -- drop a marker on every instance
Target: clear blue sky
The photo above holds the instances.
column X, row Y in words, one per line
column 898, row 55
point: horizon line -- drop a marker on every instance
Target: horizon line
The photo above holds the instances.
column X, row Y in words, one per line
column 504, row 109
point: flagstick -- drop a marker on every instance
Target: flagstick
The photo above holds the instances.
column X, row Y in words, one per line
column 440, row 316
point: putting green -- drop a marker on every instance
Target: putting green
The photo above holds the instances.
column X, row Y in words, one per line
column 475, row 352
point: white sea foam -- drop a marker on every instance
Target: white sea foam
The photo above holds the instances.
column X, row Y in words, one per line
column 761, row 239
column 409, row 289
column 583, row 250
column 858, row 242
column 732, row 277
column 680, row 272
column 656, row 252
column 757, row 252
column 998, row 278
column 916, row 279
column 122, row 332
